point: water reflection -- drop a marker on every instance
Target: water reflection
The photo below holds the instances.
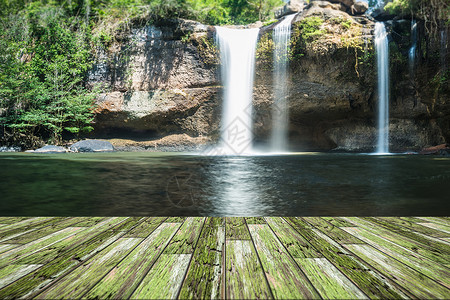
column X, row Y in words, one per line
column 238, row 179
column 167, row 184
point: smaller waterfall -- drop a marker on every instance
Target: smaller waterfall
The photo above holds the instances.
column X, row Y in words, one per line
column 237, row 54
column 382, row 50
column 412, row 50
column 280, row 110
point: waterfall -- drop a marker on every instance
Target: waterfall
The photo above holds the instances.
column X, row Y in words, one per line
column 237, row 53
column 280, row 110
column 382, row 50
column 412, row 50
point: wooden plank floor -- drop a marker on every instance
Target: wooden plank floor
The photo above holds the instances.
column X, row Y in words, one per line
column 243, row 258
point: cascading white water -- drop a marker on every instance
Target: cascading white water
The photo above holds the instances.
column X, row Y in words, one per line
column 280, row 110
column 412, row 50
column 382, row 50
column 237, row 53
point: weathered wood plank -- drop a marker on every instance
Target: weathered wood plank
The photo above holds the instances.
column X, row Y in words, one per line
column 332, row 231
column 414, row 282
column 406, row 256
column 90, row 221
column 184, row 240
column 438, row 220
column 244, row 274
column 59, row 248
column 175, row 220
column 124, row 278
column 337, row 222
column 13, row 255
column 44, row 231
column 11, row 273
column 17, row 229
column 6, row 247
column 11, row 220
column 445, row 230
column 255, row 220
column 84, row 277
column 165, row 278
column 417, row 247
column 286, row 280
column 204, row 276
column 63, row 256
column 426, row 242
column 371, row 283
column 26, row 224
column 414, row 226
column 328, row 280
column 412, row 219
column 236, row 229
column 294, row 243
column 145, row 227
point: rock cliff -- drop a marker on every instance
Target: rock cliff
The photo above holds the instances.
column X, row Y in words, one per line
column 163, row 79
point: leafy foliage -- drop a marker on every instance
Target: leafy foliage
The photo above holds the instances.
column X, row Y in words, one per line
column 44, row 62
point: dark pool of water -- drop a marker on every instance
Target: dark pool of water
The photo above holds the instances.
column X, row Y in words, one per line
column 163, row 184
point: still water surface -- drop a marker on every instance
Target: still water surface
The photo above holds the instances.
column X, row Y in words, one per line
column 163, row 184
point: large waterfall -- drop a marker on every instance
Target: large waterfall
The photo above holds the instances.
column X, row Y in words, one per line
column 237, row 54
column 382, row 50
column 280, row 111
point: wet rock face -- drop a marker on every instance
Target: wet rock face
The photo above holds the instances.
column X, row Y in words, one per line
column 333, row 105
column 293, row 6
column 161, row 80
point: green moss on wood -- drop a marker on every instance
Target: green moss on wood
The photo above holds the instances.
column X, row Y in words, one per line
column 296, row 245
column 204, row 277
column 360, row 274
column 285, row 279
column 332, row 231
column 245, row 277
column 185, row 239
column 236, row 229
column 124, row 278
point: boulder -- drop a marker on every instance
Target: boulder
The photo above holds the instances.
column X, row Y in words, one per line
column 347, row 3
column 293, row 6
column 326, row 10
column 50, row 149
column 92, row 146
column 10, row 149
column 327, row 4
column 359, row 8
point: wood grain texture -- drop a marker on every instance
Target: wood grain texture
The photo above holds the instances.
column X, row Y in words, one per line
column 85, row 276
column 426, row 250
column 414, row 282
column 204, row 279
column 184, row 240
column 295, row 243
column 244, row 274
column 124, row 278
column 236, row 229
column 286, row 280
column 185, row 257
column 435, row 271
column 373, row 284
column 165, row 278
column 328, row 280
